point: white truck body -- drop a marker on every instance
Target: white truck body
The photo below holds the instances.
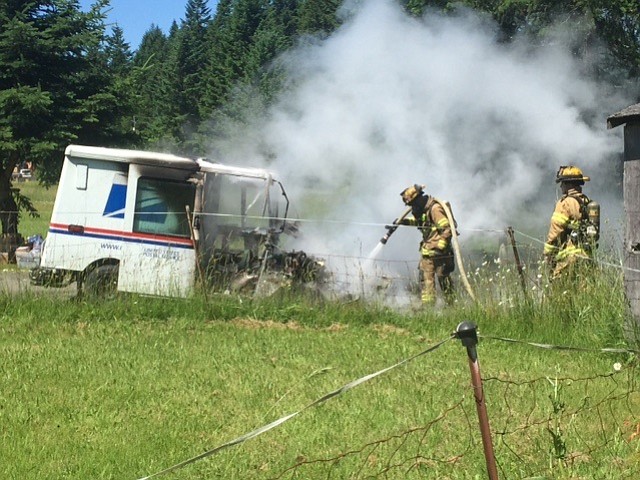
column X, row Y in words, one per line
column 149, row 215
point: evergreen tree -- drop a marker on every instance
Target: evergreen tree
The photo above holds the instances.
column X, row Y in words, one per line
column 112, row 106
column 191, row 62
column 50, row 94
column 118, row 51
column 175, row 118
column 318, row 17
column 286, row 14
column 275, row 35
column 233, row 33
column 418, row 7
column 245, row 19
column 157, row 100
column 218, row 72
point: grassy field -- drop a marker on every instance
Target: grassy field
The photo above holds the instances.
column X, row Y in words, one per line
column 129, row 387
column 122, row 389
column 42, row 200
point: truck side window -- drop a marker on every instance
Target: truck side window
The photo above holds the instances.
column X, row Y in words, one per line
column 161, row 207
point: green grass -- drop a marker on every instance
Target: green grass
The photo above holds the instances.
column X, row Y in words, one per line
column 125, row 388
column 42, row 199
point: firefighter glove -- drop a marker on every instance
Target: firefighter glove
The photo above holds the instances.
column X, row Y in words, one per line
column 427, row 252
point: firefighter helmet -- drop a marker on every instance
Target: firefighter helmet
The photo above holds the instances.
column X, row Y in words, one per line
column 571, row 173
column 409, row 194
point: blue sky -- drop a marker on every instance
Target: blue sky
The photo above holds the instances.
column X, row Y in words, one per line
column 136, row 16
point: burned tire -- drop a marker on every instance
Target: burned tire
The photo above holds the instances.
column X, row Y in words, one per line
column 102, row 281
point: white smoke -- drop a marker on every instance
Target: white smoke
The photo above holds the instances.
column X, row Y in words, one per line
column 389, row 100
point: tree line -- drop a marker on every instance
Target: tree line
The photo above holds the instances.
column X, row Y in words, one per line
column 66, row 76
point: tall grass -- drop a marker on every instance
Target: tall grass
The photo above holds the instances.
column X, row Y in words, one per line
column 123, row 388
column 127, row 387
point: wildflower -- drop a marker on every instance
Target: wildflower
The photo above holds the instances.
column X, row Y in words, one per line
column 617, row 366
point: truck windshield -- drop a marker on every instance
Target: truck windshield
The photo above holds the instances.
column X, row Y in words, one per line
column 161, row 207
column 246, row 203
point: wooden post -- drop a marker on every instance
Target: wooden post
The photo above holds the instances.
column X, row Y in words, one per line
column 630, row 118
column 631, row 186
column 196, row 249
column 516, row 255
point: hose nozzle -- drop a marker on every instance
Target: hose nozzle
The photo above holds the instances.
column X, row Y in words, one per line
column 394, row 226
column 390, row 230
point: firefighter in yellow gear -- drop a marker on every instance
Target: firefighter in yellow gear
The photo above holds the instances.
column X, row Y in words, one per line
column 437, row 260
column 566, row 242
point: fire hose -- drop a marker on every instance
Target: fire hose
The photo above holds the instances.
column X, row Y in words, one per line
column 456, row 249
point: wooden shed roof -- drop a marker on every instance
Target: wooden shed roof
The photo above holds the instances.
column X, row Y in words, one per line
column 623, row 116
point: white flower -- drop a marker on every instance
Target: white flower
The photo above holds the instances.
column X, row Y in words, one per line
column 617, row 366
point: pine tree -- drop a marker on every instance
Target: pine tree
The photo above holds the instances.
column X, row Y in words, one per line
column 275, row 35
column 157, row 106
column 118, row 51
column 245, row 19
column 218, row 74
column 191, row 61
column 112, row 105
column 318, row 17
column 50, row 94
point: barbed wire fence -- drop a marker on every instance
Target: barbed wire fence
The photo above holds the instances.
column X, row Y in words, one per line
column 539, row 427
column 534, row 436
column 534, row 433
column 490, row 268
column 355, row 274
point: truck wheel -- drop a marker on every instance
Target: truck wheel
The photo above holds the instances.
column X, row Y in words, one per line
column 102, row 281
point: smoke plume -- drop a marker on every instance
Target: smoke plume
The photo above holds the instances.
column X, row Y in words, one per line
column 389, row 100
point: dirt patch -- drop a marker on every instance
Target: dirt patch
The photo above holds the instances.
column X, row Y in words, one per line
column 383, row 330
column 16, row 282
column 336, row 327
column 252, row 323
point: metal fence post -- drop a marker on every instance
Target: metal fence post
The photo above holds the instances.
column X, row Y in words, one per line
column 466, row 332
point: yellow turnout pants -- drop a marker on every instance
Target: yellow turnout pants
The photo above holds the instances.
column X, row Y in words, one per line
column 440, row 267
